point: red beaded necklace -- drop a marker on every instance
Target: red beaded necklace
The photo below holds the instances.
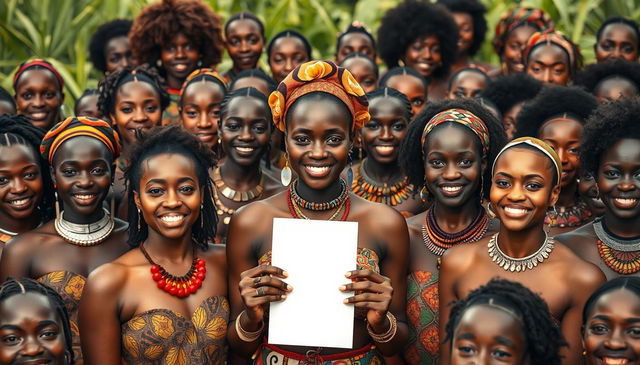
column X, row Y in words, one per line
column 179, row 286
column 294, row 213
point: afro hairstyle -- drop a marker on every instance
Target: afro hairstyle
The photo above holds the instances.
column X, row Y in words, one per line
column 477, row 11
column 507, row 91
column 553, row 101
column 157, row 24
column 411, row 152
column 5, row 96
column 102, row 36
column 620, row 20
column 609, row 123
column 411, row 20
column 591, row 76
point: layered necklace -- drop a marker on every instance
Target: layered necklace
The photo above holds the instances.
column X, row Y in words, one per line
column 231, row 194
column 390, row 194
column 341, row 203
column 6, row 235
column 619, row 254
column 518, row 264
column 439, row 241
column 179, row 286
column 85, row 235
column 575, row 216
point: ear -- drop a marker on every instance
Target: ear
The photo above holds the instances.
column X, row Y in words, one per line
column 136, row 200
column 483, row 165
column 555, row 194
column 112, row 118
column 52, row 174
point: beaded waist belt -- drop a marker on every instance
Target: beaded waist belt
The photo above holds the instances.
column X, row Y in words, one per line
column 271, row 354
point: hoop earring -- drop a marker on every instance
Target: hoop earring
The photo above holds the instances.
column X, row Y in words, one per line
column 490, row 211
column 424, row 193
column 285, row 173
column 202, row 216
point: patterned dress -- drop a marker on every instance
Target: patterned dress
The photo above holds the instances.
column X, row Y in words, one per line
column 171, row 115
column 163, row 337
column 423, row 306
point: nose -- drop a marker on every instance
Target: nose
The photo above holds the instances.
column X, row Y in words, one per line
column 547, row 78
column 450, row 172
column 139, row 115
column 125, row 62
column 516, row 193
column 616, row 340
column 564, row 156
column 617, row 52
column 172, row 201
column 84, row 180
column 31, row 347
column 180, row 52
column 18, row 186
column 38, row 100
column 245, row 134
column 425, row 53
column 318, row 151
column 626, row 184
column 289, row 65
column 244, row 46
column 386, row 134
column 204, row 122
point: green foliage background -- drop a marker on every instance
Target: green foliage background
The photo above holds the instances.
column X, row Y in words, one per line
column 59, row 30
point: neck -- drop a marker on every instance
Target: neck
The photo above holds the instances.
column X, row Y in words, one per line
column 383, row 173
column 461, row 62
column 318, row 196
column 19, row 225
column 568, row 195
column 240, row 177
column 518, row 244
column 625, row 228
column 455, row 219
column 166, row 249
column 75, row 217
column 174, row 82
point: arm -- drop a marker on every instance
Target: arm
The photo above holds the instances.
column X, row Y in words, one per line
column 16, row 258
column 447, row 293
column 99, row 318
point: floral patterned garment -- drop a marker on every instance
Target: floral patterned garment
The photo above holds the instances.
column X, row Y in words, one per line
column 163, row 337
column 70, row 287
column 423, row 306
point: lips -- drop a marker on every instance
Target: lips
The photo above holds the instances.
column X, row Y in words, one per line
column 38, row 116
column 424, row 67
column 172, row 220
column 515, row 211
column 625, row 203
column 614, row 360
column 385, row 150
column 21, row 203
column 205, row 137
column 317, row 171
column 84, row 198
column 451, row 190
column 245, row 151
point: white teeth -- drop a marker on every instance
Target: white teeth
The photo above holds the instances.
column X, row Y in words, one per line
column 317, row 169
column 181, row 67
column 452, row 189
column 515, row 210
column 172, row 218
column 245, row 149
column 84, row 197
column 385, row 149
column 614, row 361
column 19, row 201
column 38, row 115
column 626, row 201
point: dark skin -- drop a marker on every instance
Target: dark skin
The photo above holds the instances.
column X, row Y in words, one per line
column 244, row 44
column 515, row 44
column 413, row 88
column 245, row 134
column 38, row 97
column 612, row 89
column 318, row 134
column 619, row 188
column 363, row 71
column 179, row 58
column 355, row 42
column 612, row 330
column 468, row 84
column 255, row 82
column 117, row 54
column 286, row 54
column 200, row 110
column 589, row 192
column 381, row 139
column 521, row 192
column 424, row 56
column 509, row 120
column 617, row 41
column 31, row 331
column 549, row 64
column 123, row 289
column 7, row 107
column 88, row 107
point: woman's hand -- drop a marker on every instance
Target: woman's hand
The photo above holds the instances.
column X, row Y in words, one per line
column 373, row 292
column 260, row 286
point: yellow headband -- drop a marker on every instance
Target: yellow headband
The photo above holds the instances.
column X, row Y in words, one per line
column 537, row 144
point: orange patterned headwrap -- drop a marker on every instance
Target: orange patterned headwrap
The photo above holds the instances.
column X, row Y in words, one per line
column 552, row 37
column 464, row 117
column 323, row 76
column 79, row 126
column 207, row 74
column 517, row 17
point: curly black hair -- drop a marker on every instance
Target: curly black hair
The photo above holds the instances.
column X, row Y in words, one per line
column 411, row 152
column 402, row 71
column 245, row 15
column 356, row 28
column 543, row 337
column 389, row 92
column 171, row 140
column 109, row 86
column 411, row 20
column 620, row 20
column 630, row 283
column 507, row 91
column 16, row 129
column 609, row 123
column 591, row 76
column 102, row 36
column 286, row 34
column 157, row 24
column 477, row 12
column 12, row 287
column 257, row 73
column 554, row 101
column 5, row 96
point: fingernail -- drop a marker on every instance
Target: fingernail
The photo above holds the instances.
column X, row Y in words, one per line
column 285, row 274
column 346, row 301
column 283, row 297
column 348, row 274
column 289, row 287
column 343, row 288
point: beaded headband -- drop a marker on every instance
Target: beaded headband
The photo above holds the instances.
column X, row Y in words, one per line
column 537, row 144
column 464, row 117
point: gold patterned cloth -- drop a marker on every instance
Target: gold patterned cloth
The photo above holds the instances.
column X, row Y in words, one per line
column 163, row 337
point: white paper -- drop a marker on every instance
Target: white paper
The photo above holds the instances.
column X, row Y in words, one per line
column 316, row 255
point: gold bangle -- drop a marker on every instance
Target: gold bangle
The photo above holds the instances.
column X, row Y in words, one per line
column 245, row 335
column 387, row 336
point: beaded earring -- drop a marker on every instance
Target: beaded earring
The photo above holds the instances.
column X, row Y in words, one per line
column 201, row 216
column 285, row 173
column 350, row 173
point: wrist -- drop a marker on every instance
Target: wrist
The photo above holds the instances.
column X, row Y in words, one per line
column 249, row 322
column 382, row 326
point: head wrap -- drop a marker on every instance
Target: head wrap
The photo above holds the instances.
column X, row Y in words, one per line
column 37, row 62
column 322, row 76
column 79, row 126
column 208, row 74
column 464, row 117
column 517, row 17
column 537, row 144
column 549, row 37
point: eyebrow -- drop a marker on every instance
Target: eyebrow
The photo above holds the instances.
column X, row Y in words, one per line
column 196, row 105
column 25, row 168
column 553, row 64
column 466, row 336
column 530, row 176
column 467, row 152
column 251, row 121
column 504, row 341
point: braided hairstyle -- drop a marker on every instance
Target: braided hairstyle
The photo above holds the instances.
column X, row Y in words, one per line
column 389, row 92
column 5, row 96
column 411, row 155
column 543, row 338
column 16, row 129
column 286, row 34
column 109, row 86
column 171, row 140
column 258, row 74
column 13, row 287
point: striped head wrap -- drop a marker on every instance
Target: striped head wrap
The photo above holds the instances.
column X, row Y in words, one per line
column 516, row 17
column 323, row 76
column 41, row 63
column 537, row 144
column 549, row 37
column 464, row 117
column 79, row 126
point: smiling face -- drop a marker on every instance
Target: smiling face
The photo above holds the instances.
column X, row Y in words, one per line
column 612, row 332
column 385, row 131
column 453, row 164
column 522, row 188
column 200, row 111
column 137, row 106
column 169, row 195
column 244, row 43
column 20, row 182
column 355, row 42
column 38, row 97
column 589, row 193
column 82, row 170
column 514, row 46
column 31, row 331
column 363, row 71
column 318, row 140
column 564, row 135
column 245, row 130
column 549, row 64
column 468, row 84
column 423, row 55
column 614, row 88
column 619, row 179
column 286, row 54
column 617, row 41
column 464, row 21
column 118, row 54
column 179, row 59
column 486, row 335
column 413, row 88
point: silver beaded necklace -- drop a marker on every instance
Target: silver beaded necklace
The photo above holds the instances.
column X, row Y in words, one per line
column 85, row 235
column 626, row 246
column 514, row 264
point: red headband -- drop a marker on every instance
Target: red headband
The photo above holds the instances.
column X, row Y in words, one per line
column 37, row 62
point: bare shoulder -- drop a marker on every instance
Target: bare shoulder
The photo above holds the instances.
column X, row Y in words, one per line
column 415, row 223
column 28, row 242
column 253, row 214
column 580, row 272
column 385, row 219
column 216, row 254
column 108, row 279
column 461, row 257
column 271, row 185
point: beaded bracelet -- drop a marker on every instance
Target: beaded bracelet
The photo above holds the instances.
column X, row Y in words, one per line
column 387, row 336
column 245, row 335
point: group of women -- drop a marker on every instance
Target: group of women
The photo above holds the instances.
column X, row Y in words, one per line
column 498, row 208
